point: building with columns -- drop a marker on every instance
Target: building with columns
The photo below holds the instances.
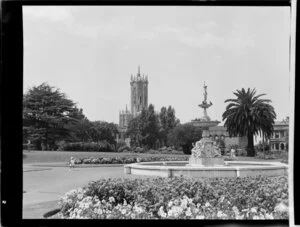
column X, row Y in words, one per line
column 279, row 138
column 138, row 101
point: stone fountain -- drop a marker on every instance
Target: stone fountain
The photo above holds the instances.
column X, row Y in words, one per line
column 206, row 160
column 204, row 122
column 206, row 153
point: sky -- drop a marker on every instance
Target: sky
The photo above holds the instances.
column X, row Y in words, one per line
column 90, row 52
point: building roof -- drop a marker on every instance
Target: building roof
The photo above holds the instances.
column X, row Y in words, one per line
column 281, row 123
column 217, row 128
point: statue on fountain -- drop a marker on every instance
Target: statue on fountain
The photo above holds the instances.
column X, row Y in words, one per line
column 206, row 148
column 206, row 153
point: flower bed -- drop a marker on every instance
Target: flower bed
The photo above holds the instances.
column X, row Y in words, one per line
column 283, row 156
column 129, row 159
column 184, row 198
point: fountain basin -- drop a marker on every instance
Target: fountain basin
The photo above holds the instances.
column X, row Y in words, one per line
column 216, row 161
column 229, row 169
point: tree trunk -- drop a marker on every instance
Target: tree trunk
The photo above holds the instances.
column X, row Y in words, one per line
column 250, row 147
column 263, row 142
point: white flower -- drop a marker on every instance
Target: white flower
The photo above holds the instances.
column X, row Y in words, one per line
column 177, row 210
column 219, row 214
column 184, row 203
column 188, row 212
column 132, row 216
column 281, row 207
column 176, row 202
column 125, row 203
column 170, row 213
column 123, row 211
column 170, row 204
column 263, row 210
column 253, row 210
column 222, row 199
column 163, row 214
column 255, row 217
column 235, row 209
column 269, row 216
column 239, row 217
column 138, row 209
column 200, row 217
column 111, row 199
column 79, row 196
column 207, row 204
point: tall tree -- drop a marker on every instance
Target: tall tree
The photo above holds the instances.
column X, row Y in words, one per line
column 168, row 121
column 46, row 114
column 150, row 131
column 82, row 131
column 248, row 115
column 134, row 131
column 102, row 130
column 184, row 135
column 143, row 130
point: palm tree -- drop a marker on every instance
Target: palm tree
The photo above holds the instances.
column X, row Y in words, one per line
column 247, row 115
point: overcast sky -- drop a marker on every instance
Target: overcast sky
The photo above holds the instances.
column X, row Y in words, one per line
column 90, row 53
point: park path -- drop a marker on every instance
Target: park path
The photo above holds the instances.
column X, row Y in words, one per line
column 44, row 186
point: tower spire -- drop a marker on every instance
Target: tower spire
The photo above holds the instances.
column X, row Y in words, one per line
column 139, row 72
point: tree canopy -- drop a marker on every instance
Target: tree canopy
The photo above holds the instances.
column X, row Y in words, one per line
column 184, row 135
column 168, row 121
column 144, row 129
column 248, row 115
column 49, row 117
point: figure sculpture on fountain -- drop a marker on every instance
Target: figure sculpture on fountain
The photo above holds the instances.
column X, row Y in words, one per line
column 206, row 148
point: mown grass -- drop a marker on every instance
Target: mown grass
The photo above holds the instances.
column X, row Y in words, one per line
column 64, row 156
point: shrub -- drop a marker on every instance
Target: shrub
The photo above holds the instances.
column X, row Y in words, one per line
column 129, row 159
column 151, row 151
column 123, row 148
column 282, row 156
column 244, row 198
column 102, row 146
column 228, row 158
column 139, row 150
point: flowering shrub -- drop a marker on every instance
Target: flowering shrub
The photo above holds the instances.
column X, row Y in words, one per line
column 183, row 198
column 129, row 159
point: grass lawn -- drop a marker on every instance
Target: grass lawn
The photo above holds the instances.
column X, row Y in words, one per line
column 64, row 156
